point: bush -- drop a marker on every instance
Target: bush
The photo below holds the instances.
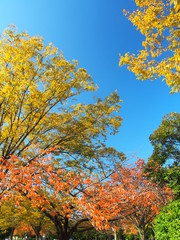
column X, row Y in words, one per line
column 167, row 223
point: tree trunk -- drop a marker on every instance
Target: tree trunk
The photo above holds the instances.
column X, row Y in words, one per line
column 142, row 234
column 153, row 233
column 62, row 230
column 37, row 232
column 143, row 237
column 63, row 237
column 38, row 236
column 12, row 233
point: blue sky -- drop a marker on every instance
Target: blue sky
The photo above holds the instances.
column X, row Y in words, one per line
column 94, row 32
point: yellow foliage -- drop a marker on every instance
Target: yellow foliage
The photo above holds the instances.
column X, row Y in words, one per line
column 37, row 91
column 159, row 22
column 15, row 214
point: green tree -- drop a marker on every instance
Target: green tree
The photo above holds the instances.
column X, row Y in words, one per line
column 163, row 165
column 167, row 223
column 158, row 21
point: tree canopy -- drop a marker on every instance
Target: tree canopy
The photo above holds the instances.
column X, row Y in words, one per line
column 167, row 223
column 53, row 191
column 39, row 104
column 55, row 165
column 129, row 197
column 158, row 21
column 74, row 201
column 163, row 164
column 21, row 215
column 166, row 140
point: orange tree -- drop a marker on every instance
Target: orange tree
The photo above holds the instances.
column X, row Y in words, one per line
column 158, row 21
column 75, row 202
column 53, row 190
column 129, row 197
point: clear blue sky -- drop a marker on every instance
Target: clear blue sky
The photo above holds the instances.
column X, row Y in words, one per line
column 94, row 32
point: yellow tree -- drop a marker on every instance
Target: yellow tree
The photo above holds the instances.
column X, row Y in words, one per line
column 21, row 215
column 159, row 22
column 39, row 104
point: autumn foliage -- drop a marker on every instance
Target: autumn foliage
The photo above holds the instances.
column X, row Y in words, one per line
column 49, row 141
column 78, row 201
column 128, row 197
column 39, row 92
column 53, row 148
column 51, row 189
column 158, row 21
